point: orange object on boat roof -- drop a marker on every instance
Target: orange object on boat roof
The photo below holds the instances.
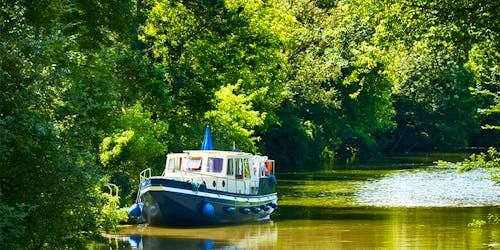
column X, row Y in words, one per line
column 269, row 167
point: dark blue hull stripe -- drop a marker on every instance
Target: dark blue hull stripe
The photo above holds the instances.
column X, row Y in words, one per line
column 254, row 199
column 266, row 186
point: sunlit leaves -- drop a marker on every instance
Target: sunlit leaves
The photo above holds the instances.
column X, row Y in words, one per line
column 136, row 142
column 489, row 160
column 111, row 215
column 234, row 118
column 112, row 147
column 178, row 27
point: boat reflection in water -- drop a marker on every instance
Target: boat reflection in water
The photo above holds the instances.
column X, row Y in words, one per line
column 261, row 235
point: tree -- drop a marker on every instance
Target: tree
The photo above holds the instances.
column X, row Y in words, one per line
column 426, row 46
column 207, row 47
column 234, row 119
column 57, row 94
column 340, row 98
column 435, row 108
column 136, row 143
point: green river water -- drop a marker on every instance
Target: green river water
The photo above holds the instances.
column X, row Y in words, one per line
column 400, row 203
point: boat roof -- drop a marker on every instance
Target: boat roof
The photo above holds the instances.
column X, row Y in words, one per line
column 211, row 153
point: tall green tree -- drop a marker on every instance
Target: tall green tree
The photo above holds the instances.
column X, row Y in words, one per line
column 62, row 82
column 340, row 98
column 40, row 166
column 426, row 46
column 205, row 47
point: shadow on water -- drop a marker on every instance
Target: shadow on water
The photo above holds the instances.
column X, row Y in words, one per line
column 458, row 216
column 327, row 213
column 329, row 175
column 402, row 161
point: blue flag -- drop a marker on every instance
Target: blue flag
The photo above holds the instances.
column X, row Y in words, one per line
column 207, row 140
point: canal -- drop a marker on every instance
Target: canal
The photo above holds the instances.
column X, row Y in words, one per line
column 396, row 203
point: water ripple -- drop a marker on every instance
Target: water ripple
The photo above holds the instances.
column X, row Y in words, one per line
column 431, row 188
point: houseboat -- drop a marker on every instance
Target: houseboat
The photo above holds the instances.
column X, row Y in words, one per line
column 207, row 187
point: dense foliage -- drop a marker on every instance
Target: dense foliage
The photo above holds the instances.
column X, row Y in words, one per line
column 95, row 91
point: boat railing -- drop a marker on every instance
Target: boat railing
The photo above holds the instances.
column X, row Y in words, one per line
column 145, row 174
column 112, row 188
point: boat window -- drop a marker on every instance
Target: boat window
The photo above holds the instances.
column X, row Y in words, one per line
column 214, row 165
column 255, row 170
column 246, row 166
column 262, row 169
column 194, row 164
column 230, row 167
column 239, row 168
column 174, row 164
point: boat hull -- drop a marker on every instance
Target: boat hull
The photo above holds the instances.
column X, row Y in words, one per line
column 184, row 205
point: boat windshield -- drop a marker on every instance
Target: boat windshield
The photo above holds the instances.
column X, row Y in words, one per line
column 214, row 165
column 242, row 167
column 230, row 167
column 193, row 164
column 174, row 165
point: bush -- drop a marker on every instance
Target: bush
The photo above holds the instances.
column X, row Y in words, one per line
column 12, row 226
column 111, row 214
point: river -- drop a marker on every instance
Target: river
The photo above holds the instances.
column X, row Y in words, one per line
column 392, row 204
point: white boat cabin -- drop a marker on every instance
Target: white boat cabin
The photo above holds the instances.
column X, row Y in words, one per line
column 228, row 171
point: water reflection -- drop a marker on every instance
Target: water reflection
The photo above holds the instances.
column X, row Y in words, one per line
column 160, row 242
column 249, row 236
column 391, row 228
column 157, row 242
